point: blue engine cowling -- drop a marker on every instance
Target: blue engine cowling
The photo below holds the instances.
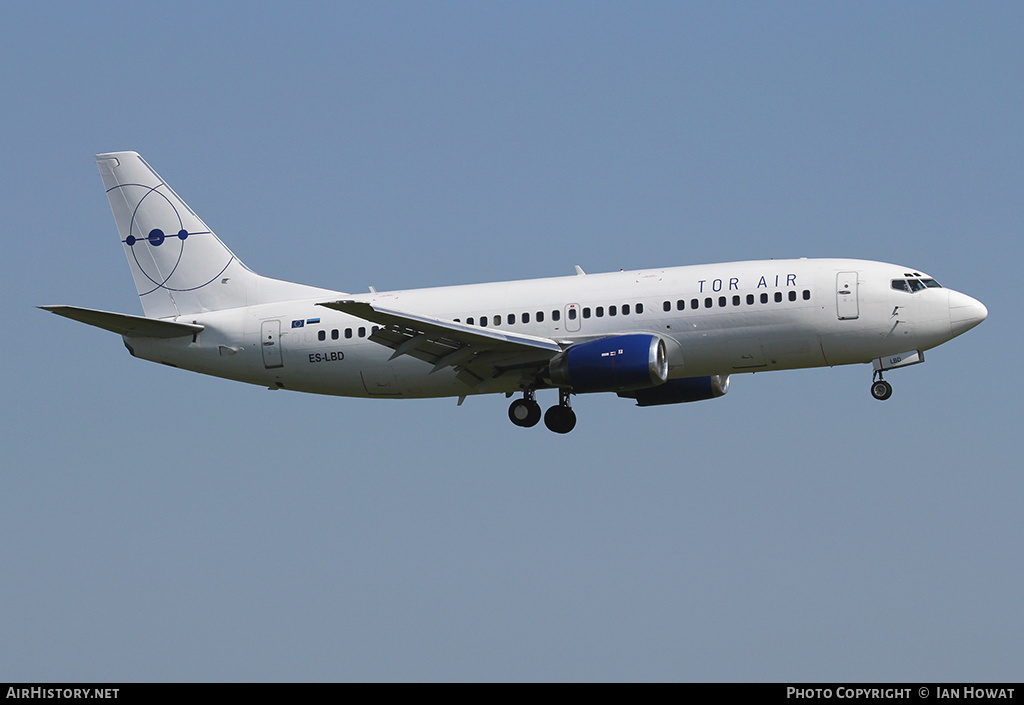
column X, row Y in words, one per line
column 677, row 391
column 616, row 364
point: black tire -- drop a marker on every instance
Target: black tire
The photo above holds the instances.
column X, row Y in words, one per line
column 560, row 419
column 881, row 390
column 524, row 412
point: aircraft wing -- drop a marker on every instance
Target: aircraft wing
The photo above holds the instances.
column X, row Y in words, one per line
column 126, row 324
column 478, row 354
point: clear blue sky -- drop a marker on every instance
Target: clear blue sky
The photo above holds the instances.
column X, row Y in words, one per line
column 159, row 525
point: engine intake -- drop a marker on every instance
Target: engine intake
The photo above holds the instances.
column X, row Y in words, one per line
column 616, row 364
column 678, row 391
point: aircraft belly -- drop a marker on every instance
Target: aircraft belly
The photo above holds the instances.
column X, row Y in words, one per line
column 849, row 348
column 746, row 353
column 380, row 381
column 752, row 349
column 795, row 352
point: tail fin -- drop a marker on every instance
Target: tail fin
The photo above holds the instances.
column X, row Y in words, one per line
column 179, row 265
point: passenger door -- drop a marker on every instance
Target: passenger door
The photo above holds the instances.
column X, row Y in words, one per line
column 270, row 341
column 847, row 307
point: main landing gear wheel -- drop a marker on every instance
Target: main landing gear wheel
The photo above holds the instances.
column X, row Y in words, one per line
column 881, row 390
column 524, row 412
column 561, row 418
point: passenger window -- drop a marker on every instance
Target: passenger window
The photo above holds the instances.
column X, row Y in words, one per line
column 792, row 296
column 497, row 319
column 778, row 297
column 599, row 311
column 321, row 335
column 707, row 303
column 807, row 294
column 736, row 300
column 469, row 321
column 666, row 306
column 483, row 321
column 612, row 311
column 511, row 319
column 680, row 305
column 586, row 312
column 750, row 299
column 348, row 332
column 721, row 301
column 362, row 332
column 334, row 334
column 639, row 308
column 556, row 315
column 625, row 309
column 526, row 318
column 694, row 304
column 764, row 298
column 540, row 316
column 572, row 314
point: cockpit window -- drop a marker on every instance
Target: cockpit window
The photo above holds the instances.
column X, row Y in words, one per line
column 912, row 285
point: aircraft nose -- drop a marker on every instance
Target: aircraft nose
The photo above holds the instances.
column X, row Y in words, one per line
column 964, row 312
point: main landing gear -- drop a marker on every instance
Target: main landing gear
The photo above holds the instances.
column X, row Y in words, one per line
column 525, row 412
column 880, row 389
column 561, row 418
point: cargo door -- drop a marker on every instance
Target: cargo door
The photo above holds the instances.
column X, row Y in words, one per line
column 745, row 353
column 380, row 381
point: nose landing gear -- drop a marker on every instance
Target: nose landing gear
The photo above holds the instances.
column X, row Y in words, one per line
column 880, row 389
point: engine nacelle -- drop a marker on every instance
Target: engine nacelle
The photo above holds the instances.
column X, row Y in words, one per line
column 677, row 391
column 616, row 364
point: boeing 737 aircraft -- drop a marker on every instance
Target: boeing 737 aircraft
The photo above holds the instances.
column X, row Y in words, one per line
column 657, row 336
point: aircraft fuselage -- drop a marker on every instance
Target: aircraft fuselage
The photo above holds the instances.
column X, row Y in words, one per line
column 716, row 319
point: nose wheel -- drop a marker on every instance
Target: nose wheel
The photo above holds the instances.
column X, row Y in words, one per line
column 880, row 389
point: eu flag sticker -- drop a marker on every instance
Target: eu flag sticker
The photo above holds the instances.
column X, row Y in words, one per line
column 298, row 324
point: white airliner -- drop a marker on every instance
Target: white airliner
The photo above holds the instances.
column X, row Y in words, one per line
column 657, row 336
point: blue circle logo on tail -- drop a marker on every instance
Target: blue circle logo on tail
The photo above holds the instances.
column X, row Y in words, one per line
column 155, row 237
column 158, row 235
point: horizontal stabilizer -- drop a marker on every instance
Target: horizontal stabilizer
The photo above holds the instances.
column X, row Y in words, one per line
column 124, row 323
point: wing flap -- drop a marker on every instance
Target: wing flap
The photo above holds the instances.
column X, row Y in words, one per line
column 414, row 344
column 477, row 354
column 124, row 323
column 441, row 329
